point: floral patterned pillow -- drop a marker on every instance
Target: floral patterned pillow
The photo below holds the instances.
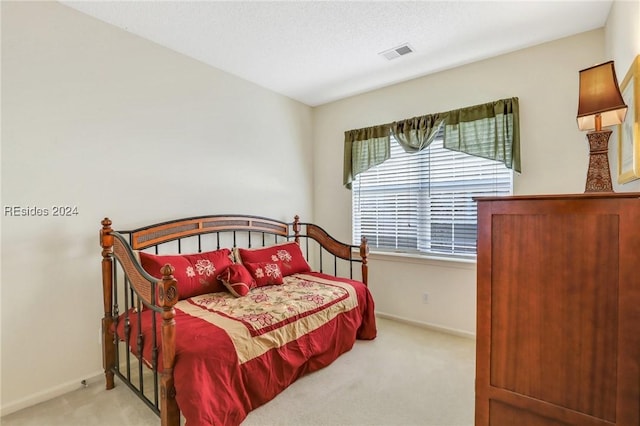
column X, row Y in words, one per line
column 265, row 273
column 196, row 273
column 237, row 279
column 289, row 254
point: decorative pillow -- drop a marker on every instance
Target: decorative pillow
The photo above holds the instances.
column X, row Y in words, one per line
column 237, row 280
column 288, row 253
column 196, row 273
column 265, row 273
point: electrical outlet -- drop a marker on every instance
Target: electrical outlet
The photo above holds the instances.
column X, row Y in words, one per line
column 425, row 297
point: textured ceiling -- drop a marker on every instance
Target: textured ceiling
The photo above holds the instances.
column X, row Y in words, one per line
column 321, row 51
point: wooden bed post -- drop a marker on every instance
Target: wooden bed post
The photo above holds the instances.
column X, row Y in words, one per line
column 168, row 296
column 108, row 343
column 296, row 228
column 364, row 254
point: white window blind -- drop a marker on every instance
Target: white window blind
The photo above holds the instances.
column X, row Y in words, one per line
column 423, row 202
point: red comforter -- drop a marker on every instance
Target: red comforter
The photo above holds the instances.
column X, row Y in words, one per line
column 235, row 354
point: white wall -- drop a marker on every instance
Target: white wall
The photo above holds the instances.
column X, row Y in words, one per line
column 622, row 41
column 554, row 152
column 97, row 118
column 554, row 159
column 622, row 34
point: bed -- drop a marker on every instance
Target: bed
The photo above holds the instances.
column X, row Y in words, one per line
column 207, row 318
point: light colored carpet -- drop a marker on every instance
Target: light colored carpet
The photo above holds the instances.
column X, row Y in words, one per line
column 406, row 376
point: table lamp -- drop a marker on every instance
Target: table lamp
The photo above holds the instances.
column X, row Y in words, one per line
column 600, row 104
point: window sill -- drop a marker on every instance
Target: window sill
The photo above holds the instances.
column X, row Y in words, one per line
column 423, row 259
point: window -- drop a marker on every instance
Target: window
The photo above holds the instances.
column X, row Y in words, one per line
column 423, row 202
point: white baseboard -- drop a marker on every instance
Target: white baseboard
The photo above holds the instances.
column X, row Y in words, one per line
column 456, row 332
column 48, row 394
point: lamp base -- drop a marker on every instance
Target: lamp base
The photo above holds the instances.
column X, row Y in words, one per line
column 598, row 175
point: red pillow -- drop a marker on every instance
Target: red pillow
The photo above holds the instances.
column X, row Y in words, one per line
column 237, row 280
column 289, row 254
column 265, row 273
column 196, row 273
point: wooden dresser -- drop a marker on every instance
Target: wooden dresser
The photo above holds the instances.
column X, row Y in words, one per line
column 558, row 320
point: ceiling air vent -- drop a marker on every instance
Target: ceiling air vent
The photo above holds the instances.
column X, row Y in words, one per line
column 396, row 52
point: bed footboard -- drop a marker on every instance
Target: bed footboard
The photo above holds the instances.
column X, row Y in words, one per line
column 335, row 248
column 128, row 287
column 157, row 295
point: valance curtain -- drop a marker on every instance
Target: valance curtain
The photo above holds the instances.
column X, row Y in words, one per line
column 415, row 134
column 363, row 149
column 490, row 130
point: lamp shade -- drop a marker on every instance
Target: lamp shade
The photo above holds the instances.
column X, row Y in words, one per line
column 600, row 95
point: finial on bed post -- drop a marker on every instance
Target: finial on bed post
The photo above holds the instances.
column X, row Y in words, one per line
column 364, row 254
column 108, row 344
column 296, row 228
column 167, row 298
